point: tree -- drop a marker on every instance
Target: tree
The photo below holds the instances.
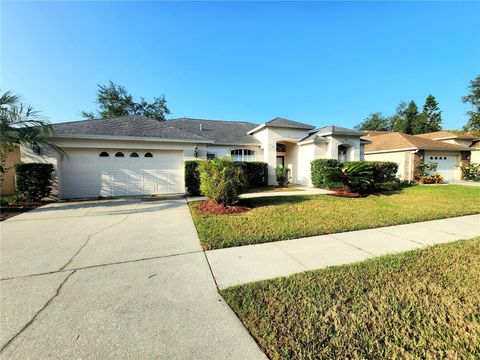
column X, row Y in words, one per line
column 474, row 99
column 114, row 101
column 374, row 122
column 21, row 125
column 432, row 116
column 397, row 120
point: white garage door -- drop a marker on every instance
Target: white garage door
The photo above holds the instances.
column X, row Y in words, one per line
column 446, row 164
column 119, row 172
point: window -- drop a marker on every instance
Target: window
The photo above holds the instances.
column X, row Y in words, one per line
column 431, row 157
column 210, row 156
column 243, row 155
column 342, row 153
column 104, row 154
column 133, row 154
column 119, row 154
column 148, row 155
column 281, row 147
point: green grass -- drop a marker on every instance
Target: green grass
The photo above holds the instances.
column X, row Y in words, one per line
column 423, row 304
column 289, row 217
column 272, row 189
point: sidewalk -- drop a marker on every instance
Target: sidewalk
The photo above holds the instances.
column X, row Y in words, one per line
column 239, row 265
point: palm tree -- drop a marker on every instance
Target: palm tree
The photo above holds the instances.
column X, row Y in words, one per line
column 21, row 125
column 354, row 173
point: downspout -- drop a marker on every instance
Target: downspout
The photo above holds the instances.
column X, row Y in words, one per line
column 411, row 172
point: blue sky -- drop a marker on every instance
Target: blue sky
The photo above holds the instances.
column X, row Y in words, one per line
column 320, row 63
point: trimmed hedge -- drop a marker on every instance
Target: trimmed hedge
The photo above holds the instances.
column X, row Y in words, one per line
column 34, row 180
column 383, row 172
column 256, row 172
column 318, row 176
column 192, row 176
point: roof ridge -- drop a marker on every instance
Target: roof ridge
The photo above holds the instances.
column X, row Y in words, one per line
column 213, row 120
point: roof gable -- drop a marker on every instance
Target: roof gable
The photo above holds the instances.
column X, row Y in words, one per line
column 281, row 122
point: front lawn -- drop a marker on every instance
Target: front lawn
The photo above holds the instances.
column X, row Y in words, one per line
column 423, row 304
column 290, row 217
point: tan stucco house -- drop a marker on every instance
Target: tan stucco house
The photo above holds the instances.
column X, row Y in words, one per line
column 447, row 149
column 136, row 155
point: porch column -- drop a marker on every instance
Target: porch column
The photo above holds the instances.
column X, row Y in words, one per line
column 270, row 157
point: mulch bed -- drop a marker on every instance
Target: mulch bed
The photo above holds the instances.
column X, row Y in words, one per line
column 343, row 193
column 214, row 208
column 11, row 210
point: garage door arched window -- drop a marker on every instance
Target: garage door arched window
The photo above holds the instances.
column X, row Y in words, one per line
column 119, row 154
column 148, row 155
column 133, row 154
column 103, row 154
column 243, row 155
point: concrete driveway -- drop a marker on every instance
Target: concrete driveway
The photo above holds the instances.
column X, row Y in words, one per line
column 122, row 279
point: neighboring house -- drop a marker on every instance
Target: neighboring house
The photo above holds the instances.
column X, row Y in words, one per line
column 7, row 187
column 409, row 150
column 459, row 138
column 136, row 155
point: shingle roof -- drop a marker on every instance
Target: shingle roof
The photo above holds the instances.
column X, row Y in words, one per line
column 476, row 145
column 396, row 140
column 219, row 131
column 375, row 133
column 136, row 126
column 338, row 130
column 448, row 134
column 281, row 122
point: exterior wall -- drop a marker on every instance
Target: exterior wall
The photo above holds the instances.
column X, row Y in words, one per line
column 269, row 137
column 7, row 187
column 225, row 150
column 475, row 156
column 399, row 157
column 352, row 144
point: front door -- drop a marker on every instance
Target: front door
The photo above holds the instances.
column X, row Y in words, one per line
column 280, row 161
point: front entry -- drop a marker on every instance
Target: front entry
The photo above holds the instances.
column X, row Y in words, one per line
column 280, row 161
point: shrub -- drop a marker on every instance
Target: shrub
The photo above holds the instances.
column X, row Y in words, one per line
column 431, row 179
column 388, row 186
column 471, row 171
column 425, row 169
column 221, row 180
column 192, row 177
column 355, row 176
column 283, row 175
column 33, row 180
column 318, row 173
column 256, row 172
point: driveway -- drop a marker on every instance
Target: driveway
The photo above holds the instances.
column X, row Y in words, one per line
column 120, row 279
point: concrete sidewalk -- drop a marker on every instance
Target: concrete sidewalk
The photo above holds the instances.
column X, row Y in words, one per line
column 238, row 265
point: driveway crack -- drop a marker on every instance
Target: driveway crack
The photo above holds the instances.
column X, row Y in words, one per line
column 57, row 292
column 92, row 235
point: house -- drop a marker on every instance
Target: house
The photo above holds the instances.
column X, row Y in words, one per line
column 459, row 138
column 447, row 150
column 136, row 155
